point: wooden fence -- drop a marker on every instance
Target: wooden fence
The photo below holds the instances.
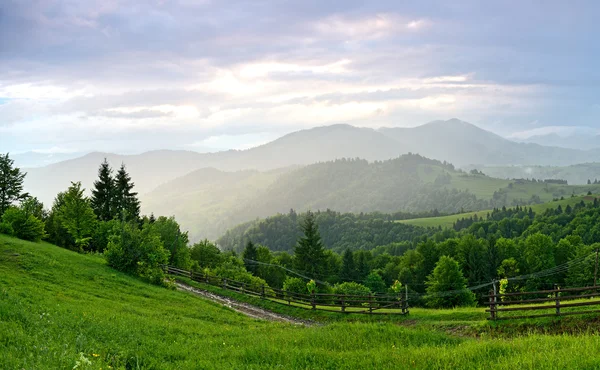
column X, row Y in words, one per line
column 534, row 302
column 363, row 304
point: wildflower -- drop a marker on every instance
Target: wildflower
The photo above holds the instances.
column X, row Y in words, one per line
column 95, row 354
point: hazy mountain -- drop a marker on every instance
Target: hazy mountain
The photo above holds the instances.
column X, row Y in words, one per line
column 462, row 143
column 454, row 141
column 575, row 141
column 35, row 159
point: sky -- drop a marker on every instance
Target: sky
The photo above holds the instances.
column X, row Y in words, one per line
column 129, row 76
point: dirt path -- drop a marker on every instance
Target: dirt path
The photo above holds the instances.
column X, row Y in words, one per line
column 245, row 308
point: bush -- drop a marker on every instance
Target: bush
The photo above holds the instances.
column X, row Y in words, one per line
column 233, row 269
column 138, row 252
column 23, row 226
column 6, row 228
column 293, row 285
column 351, row 288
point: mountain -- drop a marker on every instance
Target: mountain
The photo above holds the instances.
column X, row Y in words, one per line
column 35, row 159
column 583, row 141
column 455, row 141
column 462, row 143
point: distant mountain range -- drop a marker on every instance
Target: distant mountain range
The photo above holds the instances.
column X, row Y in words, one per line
column 454, row 141
column 584, row 141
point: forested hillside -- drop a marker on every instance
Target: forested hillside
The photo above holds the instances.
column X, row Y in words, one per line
column 208, row 201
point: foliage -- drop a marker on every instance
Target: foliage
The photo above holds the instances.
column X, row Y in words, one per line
column 136, row 251
column 19, row 222
column 351, row 288
column 250, row 256
column 11, row 183
column 125, row 201
column 294, row 285
column 446, row 286
column 309, row 252
column 103, row 193
column 173, row 240
column 205, row 254
column 375, row 283
column 76, row 216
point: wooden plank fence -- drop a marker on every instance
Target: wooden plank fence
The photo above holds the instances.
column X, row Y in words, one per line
column 362, row 304
column 534, row 303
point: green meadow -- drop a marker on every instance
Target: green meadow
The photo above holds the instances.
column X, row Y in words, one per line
column 63, row 310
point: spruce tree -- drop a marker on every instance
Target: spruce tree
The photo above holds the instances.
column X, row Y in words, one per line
column 11, row 183
column 124, row 199
column 103, row 192
column 309, row 253
column 249, row 255
column 348, row 268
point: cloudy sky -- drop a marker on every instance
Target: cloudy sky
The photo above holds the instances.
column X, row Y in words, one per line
column 128, row 76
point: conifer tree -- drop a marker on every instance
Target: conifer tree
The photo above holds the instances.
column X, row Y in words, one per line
column 250, row 254
column 11, row 183
column 103, row 193
column 309, row 253
column 348, row 267
column 124, row 199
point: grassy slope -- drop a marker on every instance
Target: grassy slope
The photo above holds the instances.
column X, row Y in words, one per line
column 56, row 304
column 448, row 221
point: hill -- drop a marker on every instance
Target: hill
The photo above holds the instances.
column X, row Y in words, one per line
column 60, row 309
column 454, row 141
column 448, row 221
column 208, row 201
column 577, row 174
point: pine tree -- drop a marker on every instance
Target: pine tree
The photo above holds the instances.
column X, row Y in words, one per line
column 11, row 183
column 309, row 253
column 77, row 216
column 124, row 199
column 348, row 268
column 103, row 193
column 249, row 255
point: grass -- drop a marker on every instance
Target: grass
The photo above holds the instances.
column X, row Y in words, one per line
column 58, row 307
column 448, row 221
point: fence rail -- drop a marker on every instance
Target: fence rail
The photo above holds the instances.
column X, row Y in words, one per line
column 590, row 297
column 381, row 304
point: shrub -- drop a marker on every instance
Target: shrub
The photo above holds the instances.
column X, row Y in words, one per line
column 351, row 288
column 136, row 251
column 293, row 285
column 23, row 226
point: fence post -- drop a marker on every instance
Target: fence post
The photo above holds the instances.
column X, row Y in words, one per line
column 224, row 283
column 312, row 300
column 262, row 293
column 557, row 296
column 405, row 302
column 243, row 286
column 343, row 303
column 492, row 305
column 206, row 277
column 192, row 275
column 370, row 303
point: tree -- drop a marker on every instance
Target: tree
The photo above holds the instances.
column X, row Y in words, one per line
column 309, row 252
column 447, row 287
column 11, row 183
column 173, row 241
column 137, row 251
column 22, row 224
column 205, row 254
column 348, row 269
column 103, row 192
column 125, row 200
column 375, row 283
column 77, row 216
column 249, row 256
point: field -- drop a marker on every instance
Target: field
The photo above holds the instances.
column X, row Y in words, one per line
column 60, row 309
column 448, row 221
